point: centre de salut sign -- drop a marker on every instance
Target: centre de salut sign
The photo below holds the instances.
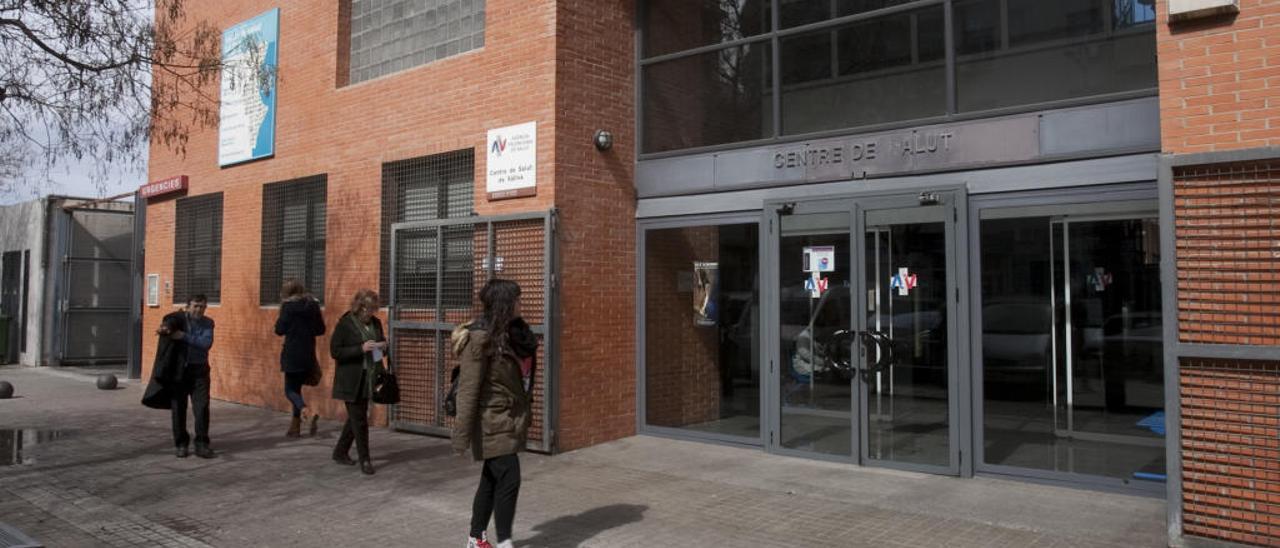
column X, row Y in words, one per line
column 907, row 151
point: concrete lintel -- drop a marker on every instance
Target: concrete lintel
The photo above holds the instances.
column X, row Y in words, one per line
column 1184, row 10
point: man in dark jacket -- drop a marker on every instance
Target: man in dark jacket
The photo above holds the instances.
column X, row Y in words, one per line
column 192, row 380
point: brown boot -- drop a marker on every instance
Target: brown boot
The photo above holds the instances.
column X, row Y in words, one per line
column 310, row 418
column 295, row 426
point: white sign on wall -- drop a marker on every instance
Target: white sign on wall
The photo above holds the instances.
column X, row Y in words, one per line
column 511, row 162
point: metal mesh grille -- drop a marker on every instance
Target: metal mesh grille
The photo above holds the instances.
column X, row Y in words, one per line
column 293, row 236
column 393, row 35
column 1227, row 220
column 435, row 290
column 197, row 250
column 427, row 188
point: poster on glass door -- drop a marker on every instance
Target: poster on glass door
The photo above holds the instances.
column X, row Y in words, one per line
column 706, row 289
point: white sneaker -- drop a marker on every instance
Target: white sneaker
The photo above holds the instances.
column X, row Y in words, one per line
column 473, row 542
column 506, row 544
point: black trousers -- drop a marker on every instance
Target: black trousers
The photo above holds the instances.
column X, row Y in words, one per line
column 356, row 429
column 195, row 385
column 496, row 496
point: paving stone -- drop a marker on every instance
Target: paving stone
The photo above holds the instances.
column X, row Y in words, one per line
column 112, row 480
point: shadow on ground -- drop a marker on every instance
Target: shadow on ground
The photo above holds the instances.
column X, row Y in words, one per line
column 573, row 530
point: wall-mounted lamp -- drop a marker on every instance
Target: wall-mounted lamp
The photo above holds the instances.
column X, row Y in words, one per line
column 603, row 140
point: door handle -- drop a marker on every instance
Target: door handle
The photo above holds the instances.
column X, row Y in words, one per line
column 882, row 346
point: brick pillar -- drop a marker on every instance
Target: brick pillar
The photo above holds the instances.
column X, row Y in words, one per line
column 1220, row 94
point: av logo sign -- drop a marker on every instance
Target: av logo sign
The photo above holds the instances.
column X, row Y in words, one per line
column 512, row 162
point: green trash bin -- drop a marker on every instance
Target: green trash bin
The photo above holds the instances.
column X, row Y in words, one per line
column 5, row 359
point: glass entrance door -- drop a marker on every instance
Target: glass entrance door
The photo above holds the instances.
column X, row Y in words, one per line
column 909, row 370
column 865, row 357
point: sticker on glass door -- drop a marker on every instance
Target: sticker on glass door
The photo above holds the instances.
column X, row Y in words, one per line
column 904, row 281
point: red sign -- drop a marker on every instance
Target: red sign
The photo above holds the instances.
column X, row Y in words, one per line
column 164, row 186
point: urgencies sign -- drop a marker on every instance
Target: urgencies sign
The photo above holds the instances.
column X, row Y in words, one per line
column 163, row 187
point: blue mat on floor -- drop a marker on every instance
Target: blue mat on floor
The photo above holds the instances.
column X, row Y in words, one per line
column 1153, row 422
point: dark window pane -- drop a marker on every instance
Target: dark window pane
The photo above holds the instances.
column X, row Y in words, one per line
column 1032, row 21
column 977, row 26
column 197, row 250
column 886, row 69
column 1055, row 51
column 427, row 188
column 677, row 25
column 708, row 99
column 702, row 319
column 1071, row 346
column 293, row 236
column 803, row 12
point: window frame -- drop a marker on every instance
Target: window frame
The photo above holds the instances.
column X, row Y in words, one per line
column 189, row 214
column 276, row 197
column 951, row 59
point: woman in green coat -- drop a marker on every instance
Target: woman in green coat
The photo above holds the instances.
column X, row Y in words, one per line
column 496, row 356
column 357, row 347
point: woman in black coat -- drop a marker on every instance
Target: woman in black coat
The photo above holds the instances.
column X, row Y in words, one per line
column 300, row 322
column 357, row 347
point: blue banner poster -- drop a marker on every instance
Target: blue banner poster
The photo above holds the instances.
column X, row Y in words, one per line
column 247, row 110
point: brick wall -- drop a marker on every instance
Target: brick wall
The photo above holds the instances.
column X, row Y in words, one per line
column 347, row 132
column 1228, row 228
column 1231, row 450
column 1220, row 91
column 595, row 195
column 1220, row 80
column 682, row 361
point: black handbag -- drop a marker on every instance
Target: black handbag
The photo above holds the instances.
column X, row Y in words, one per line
column 386, row 390
column 314, row 376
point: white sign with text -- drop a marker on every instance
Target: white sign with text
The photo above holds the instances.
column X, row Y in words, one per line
column 511, row 162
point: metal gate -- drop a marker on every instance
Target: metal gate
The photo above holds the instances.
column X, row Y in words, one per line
column 95, row 286
column 436, row 269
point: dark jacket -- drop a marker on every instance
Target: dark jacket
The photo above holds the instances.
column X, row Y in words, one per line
column 348, row 357
column 170, row 363
column 300, row 323
column 493, row 407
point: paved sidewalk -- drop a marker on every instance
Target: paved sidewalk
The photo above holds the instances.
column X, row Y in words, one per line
column 109, row 478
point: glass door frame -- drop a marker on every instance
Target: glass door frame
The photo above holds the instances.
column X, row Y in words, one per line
column 1139, row 200
column 856, row 205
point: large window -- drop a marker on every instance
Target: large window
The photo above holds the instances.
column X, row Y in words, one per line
column 387, row 36
column 844, row 64
column 293, row 236
column 701, row 325
column 197, row 250
column 1072, row 346
column 430, row 188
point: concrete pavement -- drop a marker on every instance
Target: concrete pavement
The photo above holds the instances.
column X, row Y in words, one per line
column 104, row 474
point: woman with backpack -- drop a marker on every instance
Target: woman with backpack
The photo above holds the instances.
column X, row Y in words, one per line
column 496, row 353
column 300, row 322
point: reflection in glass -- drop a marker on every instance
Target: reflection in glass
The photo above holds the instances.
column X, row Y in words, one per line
column 907, row 402
column 816, row 390
column 676, row 25
column 1020, row 52
column 803, row 12
column 708, row 99
column 702, row 317
column 1073, row 376
column 881, row 70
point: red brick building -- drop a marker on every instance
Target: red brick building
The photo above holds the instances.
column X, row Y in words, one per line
column 1220, row 128
column 941, row 236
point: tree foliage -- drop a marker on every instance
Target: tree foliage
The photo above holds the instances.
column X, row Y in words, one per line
column 99, row 80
